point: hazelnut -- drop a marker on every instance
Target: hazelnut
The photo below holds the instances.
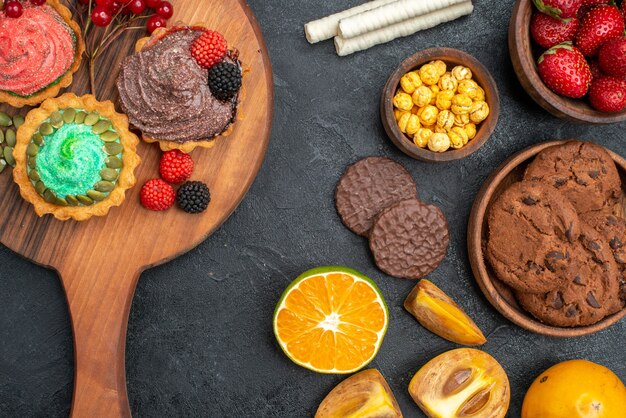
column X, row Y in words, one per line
column 402, row 101
column 461, row 73
column 410, row 82
column 421, row 137
column 470, row 129
column 461, row 104
column 428, row 115
column 439, row 142
column 479, row 112
column 448, row 82
column 444, row 99
column 441, row 67
column 429, row 74
column 445, row 120
column 422, row 96
column 458, row 137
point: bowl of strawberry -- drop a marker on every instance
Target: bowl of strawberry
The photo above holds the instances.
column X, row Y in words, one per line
column 570, row 56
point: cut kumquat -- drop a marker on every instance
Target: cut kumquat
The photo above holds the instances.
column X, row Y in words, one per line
column 331, row 320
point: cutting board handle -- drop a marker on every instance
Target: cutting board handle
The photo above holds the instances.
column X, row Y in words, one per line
column 99, row 300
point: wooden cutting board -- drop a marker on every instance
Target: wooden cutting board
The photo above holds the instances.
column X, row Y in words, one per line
column 99, row 261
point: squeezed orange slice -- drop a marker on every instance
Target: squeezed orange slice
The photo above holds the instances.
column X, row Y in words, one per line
column 331, row 320
column 438, row 313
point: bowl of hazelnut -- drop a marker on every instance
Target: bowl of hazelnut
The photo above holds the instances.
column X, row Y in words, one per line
column 440, row 104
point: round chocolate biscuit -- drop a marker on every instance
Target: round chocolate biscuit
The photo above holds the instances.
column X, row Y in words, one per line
column 583, row 172
column 369, row 186
column 530, row 227
column 591, row 290
column 409, row 239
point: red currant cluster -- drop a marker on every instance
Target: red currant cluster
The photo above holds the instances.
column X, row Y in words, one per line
column 14, row 9
column 104, row 11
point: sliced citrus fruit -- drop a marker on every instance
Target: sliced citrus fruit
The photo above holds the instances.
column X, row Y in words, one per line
column 331, row 320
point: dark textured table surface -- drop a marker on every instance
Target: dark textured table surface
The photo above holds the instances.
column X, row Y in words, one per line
column 200, row 340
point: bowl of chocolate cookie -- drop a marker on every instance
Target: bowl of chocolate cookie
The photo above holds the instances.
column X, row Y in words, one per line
column 547, row 238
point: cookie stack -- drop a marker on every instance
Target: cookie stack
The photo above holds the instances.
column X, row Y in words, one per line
column 556, row 237
column 377, row 198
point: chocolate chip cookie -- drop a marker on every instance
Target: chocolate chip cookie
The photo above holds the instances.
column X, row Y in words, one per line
column 409, row 239
column 613, row 229
column 590, row 291
column 369, row 186
column 582, row 171
column 530, row 230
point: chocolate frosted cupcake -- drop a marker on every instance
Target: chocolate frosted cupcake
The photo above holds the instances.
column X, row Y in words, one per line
column 175, row 93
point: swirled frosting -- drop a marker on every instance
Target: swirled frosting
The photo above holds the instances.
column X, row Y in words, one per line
column 36, row 49
column 71, row 160
column 165, row 92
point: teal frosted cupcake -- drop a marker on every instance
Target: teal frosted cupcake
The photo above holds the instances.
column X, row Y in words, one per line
column 75, row 157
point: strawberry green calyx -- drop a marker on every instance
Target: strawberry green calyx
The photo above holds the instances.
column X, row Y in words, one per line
column 547, row 9
column 564, row 45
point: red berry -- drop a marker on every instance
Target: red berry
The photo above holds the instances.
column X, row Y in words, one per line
column 13, row 9
column 136, row 6
column 612, row 57
column 38, row 2
column 116, row 7
column 561, row 9
column 153, row 4
column 175, row 166
column 104, row 3
column 548, row 31
column 157, row 195
column 101, row 16
column 564, row 70
column 608, row 94
column 155, row 22
column 209, row 48
column 598, row 26
column 165, row 9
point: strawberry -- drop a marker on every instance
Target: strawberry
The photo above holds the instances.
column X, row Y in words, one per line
column 612, row 57
column 596, row 71
column 565, row 71
column 624, row 8
column 588, row 5
column 560, row 9
column 608, row 94
column 548, row 31
column 598, row 26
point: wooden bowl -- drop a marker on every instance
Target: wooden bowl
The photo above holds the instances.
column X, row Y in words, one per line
column 524, row 57
column 452, row 57
column 498, row 293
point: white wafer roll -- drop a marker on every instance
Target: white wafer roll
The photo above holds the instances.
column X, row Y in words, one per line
column 389, row 14
column 408, row 27
column 326, row 27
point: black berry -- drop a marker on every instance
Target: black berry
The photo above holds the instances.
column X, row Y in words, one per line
column 224, row 80
column 193, row 197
